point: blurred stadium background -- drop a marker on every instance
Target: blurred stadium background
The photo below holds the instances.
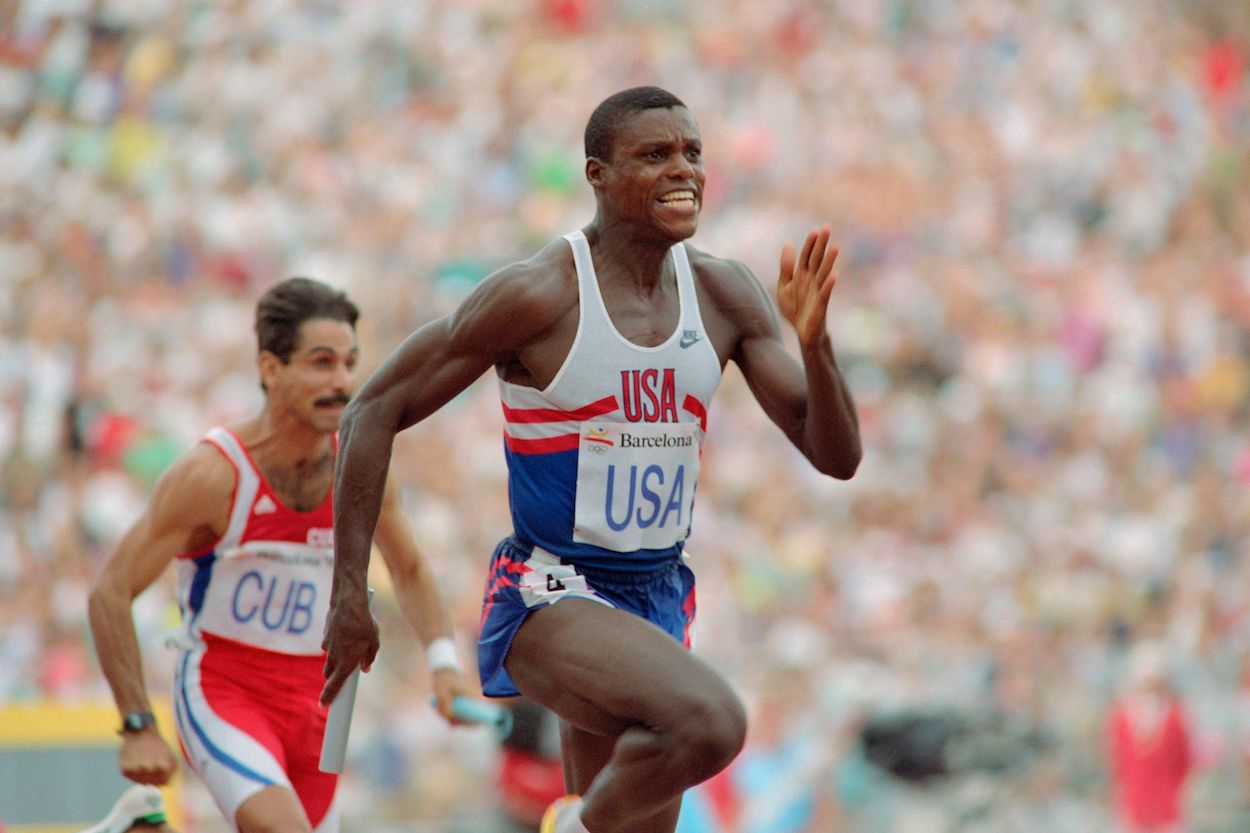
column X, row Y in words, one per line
column 1044, row 310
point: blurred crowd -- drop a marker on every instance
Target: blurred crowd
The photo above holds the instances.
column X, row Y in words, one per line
column 1043, row 311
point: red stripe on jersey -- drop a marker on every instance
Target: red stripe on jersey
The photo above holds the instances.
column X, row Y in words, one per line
column 604, row 406
column 548, row 445
column 234, row 494
column 693, row 406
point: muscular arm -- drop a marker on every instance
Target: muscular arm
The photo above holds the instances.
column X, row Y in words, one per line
column 424, row 373
column 810, row 402
column 183, row 515
column 431, row 366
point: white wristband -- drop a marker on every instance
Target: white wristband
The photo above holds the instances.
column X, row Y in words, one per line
column 440, row 654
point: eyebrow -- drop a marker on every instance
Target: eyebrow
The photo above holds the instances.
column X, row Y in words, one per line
column 322, row 348
column 658, row 144
column 648, row 147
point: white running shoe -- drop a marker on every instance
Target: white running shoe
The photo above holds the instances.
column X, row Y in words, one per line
column 141, row 804
column 564, row 816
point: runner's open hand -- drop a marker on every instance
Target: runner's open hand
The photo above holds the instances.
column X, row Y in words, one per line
column 804, row 286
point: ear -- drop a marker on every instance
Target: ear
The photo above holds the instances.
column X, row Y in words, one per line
column 268, row 364
column 596, row 171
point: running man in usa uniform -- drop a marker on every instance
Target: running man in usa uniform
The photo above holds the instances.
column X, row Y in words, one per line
column 247, row 515
column 608, row 345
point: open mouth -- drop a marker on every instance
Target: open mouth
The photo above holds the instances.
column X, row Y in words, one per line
column 684, row 199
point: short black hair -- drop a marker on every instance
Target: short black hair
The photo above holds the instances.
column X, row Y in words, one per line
column 287, row 305
column 606, row 120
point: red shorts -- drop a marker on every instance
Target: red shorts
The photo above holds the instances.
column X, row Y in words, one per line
column 249, row 719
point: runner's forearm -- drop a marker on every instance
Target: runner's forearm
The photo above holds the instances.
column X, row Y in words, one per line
column 117, row 648
column 359, row 483
column 422, row 606
column 831, row 427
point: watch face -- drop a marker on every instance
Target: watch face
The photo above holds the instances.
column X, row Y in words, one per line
column 137, row 721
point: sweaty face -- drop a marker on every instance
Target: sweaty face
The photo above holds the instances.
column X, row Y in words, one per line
column 317, row 382
column 655, row 176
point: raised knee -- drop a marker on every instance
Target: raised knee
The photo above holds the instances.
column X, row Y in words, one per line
column 713, row 732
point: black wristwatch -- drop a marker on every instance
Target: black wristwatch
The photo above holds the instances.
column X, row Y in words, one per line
column 137, row 722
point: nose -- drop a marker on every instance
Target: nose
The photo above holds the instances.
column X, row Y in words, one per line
column 684, row 169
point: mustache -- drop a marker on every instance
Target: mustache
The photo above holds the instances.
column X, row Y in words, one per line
column 337, row 399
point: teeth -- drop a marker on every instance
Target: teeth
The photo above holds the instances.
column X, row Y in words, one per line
column 678, row 196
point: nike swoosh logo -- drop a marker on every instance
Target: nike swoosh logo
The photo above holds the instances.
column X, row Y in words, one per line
column 687, row 340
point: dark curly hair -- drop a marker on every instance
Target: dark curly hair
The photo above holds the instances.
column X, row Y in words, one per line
column 287, row 305
column 606, row 120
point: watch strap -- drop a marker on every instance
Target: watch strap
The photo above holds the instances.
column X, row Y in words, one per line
column 137, row 721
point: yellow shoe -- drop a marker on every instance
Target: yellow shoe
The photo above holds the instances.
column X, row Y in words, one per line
column 562, row 816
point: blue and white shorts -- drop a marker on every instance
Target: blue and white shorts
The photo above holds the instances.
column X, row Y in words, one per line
column 524, row 578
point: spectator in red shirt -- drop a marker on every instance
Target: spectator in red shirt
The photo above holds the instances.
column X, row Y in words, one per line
column 1151, row 748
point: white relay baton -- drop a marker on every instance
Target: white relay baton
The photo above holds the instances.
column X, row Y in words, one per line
column 339, row 721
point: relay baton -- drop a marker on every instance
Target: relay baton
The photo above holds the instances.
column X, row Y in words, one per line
column 339, row 721
column 473, row 710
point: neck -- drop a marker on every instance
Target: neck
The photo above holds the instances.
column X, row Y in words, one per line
column 286, row 440
column 628, row 256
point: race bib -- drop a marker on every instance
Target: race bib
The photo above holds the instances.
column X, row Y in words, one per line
column 270, row 594
column 635, row 484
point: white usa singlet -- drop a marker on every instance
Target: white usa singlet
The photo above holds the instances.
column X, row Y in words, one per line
column 602, row 463
column 266, row 583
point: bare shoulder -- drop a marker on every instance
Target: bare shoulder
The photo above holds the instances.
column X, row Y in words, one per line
column 545, row 280
column 196, row 489
column 521, row 299
column 733, row 291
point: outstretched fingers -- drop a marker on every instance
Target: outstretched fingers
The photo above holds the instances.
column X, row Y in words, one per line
column 828, row 282
column 825, row 270
column 806, row 283
column 809, row 246
column 787, row 265
column 816, row 249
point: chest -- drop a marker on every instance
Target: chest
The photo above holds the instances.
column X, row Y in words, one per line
column 302, row 487
column 644, row 321
column 637, row 333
